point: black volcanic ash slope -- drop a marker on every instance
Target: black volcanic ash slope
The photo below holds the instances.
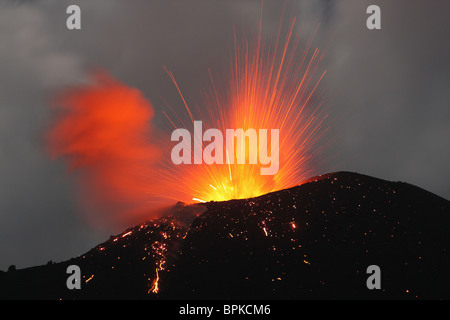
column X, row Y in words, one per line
column 126, row 266
column 308, row 242
column 317, row 240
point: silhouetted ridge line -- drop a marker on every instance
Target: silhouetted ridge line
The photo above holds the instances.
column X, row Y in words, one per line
column 312, row 241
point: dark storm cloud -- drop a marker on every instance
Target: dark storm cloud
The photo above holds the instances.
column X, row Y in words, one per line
column 387, row 92
column 38, row 220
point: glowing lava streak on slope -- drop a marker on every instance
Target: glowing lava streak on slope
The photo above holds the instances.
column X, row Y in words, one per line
column 273, row 86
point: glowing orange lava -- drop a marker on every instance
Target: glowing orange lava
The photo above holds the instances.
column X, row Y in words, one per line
column 272, row 86
column 104, row 132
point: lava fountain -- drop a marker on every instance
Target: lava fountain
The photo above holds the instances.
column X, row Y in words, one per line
column 104, row 130
column 272, row 86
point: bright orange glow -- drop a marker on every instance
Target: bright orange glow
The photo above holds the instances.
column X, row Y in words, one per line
column 123, row 169
column 103, row 131
column 271, row 87
column 155, row 284
column 127, row 234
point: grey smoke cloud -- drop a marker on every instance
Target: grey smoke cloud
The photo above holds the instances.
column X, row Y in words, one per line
column 386, row 92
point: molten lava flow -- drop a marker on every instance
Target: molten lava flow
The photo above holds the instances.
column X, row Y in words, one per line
column 155, row 284
column 271, row 87
column 103, row 130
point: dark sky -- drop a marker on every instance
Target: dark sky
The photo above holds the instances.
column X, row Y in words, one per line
column 387, row 92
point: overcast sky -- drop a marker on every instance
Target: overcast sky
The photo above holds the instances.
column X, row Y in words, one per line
column 387, row 92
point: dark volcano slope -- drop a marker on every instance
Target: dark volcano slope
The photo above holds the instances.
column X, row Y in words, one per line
column 123, row 267
column 314, row 241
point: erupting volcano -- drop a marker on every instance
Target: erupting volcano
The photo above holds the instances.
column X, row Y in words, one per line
column 125, row 169
column 313, row 241
column 194, row 150
column 270, row 87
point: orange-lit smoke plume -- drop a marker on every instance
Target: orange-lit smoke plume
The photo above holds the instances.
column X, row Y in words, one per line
column 103, row 130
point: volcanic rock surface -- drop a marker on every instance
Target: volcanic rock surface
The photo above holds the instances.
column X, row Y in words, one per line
column 313, row 241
